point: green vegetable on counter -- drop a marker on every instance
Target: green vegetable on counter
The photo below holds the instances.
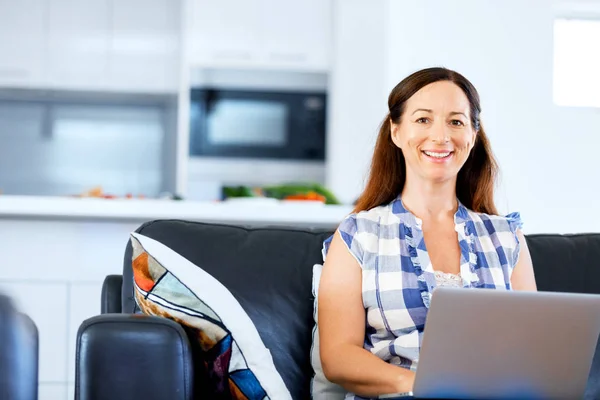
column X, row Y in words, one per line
column 281, row 191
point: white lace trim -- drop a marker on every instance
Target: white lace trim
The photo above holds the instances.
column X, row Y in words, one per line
column 447, row 279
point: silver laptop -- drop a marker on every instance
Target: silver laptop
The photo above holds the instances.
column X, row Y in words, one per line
column 491, row 344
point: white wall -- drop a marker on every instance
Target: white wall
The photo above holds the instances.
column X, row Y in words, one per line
column 357, row 94
column 546, row 153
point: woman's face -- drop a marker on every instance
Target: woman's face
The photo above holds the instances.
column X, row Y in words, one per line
column 435, row 132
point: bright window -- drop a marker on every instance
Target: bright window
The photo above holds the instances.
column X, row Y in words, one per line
column 577, row 62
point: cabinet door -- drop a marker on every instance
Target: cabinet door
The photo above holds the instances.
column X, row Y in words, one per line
column 144, row 47
column 281, row 34
column 223, row 33
column 78, row 43
column 296, row 34
column 22, row 42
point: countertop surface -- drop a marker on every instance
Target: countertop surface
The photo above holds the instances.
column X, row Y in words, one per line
column 251, row 212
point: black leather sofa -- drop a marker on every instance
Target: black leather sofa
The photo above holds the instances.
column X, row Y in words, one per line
column 18, row 354
column 121, row 355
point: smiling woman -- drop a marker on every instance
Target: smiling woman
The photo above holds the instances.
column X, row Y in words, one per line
column 441, row 106
column 426, row 219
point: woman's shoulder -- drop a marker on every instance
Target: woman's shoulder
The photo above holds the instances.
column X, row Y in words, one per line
column 491, row 222
column 367, row 219
column 360, row 226
column 360, row 231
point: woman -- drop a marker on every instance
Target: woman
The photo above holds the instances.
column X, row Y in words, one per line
column 426, row 219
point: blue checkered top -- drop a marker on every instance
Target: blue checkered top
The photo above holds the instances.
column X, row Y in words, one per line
column 398, row 278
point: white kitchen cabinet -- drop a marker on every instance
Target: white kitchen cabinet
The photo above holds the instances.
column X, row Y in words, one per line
column 113, row 45
column 78, row 44
column 22, row 42
column 272, row 34
column 223, row 33
column 296, row 34
column 144, row 47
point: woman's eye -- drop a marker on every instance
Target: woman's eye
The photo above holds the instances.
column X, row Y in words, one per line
column 457, row 122
column 422, row 120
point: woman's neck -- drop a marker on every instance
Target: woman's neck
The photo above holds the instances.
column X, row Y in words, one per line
column 428, row 200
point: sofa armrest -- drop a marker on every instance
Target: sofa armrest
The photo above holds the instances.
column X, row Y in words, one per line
column 111, row 294
column 124, row 356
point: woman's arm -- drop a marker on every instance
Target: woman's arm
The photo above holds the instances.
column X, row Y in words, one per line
column 523, row 277
column 342, row 331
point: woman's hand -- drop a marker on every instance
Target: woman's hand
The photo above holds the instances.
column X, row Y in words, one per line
column 406, row 382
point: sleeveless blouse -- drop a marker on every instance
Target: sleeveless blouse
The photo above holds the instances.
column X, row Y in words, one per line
column 398, row 278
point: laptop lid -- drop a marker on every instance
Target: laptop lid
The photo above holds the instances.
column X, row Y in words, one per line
column 495, row 344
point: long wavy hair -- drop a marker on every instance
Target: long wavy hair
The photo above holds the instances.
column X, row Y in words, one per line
column 476, row 180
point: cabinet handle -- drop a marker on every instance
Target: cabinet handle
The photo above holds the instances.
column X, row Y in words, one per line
column 232, row 55
column 289, row 57
column 8, row 72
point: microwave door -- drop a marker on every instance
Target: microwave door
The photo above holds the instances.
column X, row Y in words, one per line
column 242, row 125
column 247, row 123
column 256, row 124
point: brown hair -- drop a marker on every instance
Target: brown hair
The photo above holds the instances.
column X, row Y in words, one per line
column 476, row 179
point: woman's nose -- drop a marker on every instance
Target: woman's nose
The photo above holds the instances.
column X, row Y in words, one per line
column 440, row 134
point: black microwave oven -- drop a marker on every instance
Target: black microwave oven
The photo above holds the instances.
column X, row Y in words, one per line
column 258, row 124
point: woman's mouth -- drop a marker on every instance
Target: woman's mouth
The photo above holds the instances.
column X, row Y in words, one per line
column 437, row 156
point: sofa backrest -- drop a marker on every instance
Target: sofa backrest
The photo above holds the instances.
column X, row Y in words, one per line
column 268, row 270
column 566, row 263
column 569, row 263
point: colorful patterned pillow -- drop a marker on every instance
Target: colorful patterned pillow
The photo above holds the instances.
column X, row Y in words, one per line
column 166, row 284
column 321, row 388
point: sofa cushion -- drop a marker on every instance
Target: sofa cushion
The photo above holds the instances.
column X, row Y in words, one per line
column 321, row 387
column 238, row 364
column 268, row 271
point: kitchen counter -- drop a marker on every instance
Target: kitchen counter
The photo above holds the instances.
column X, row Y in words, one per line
column 234, row 212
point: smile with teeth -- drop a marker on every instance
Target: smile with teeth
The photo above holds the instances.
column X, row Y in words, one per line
column 437, row 154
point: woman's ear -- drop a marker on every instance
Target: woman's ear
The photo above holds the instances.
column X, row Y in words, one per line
column 473, row 141
column 395, row 133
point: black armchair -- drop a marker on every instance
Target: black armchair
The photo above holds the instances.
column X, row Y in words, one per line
column 18, row 354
